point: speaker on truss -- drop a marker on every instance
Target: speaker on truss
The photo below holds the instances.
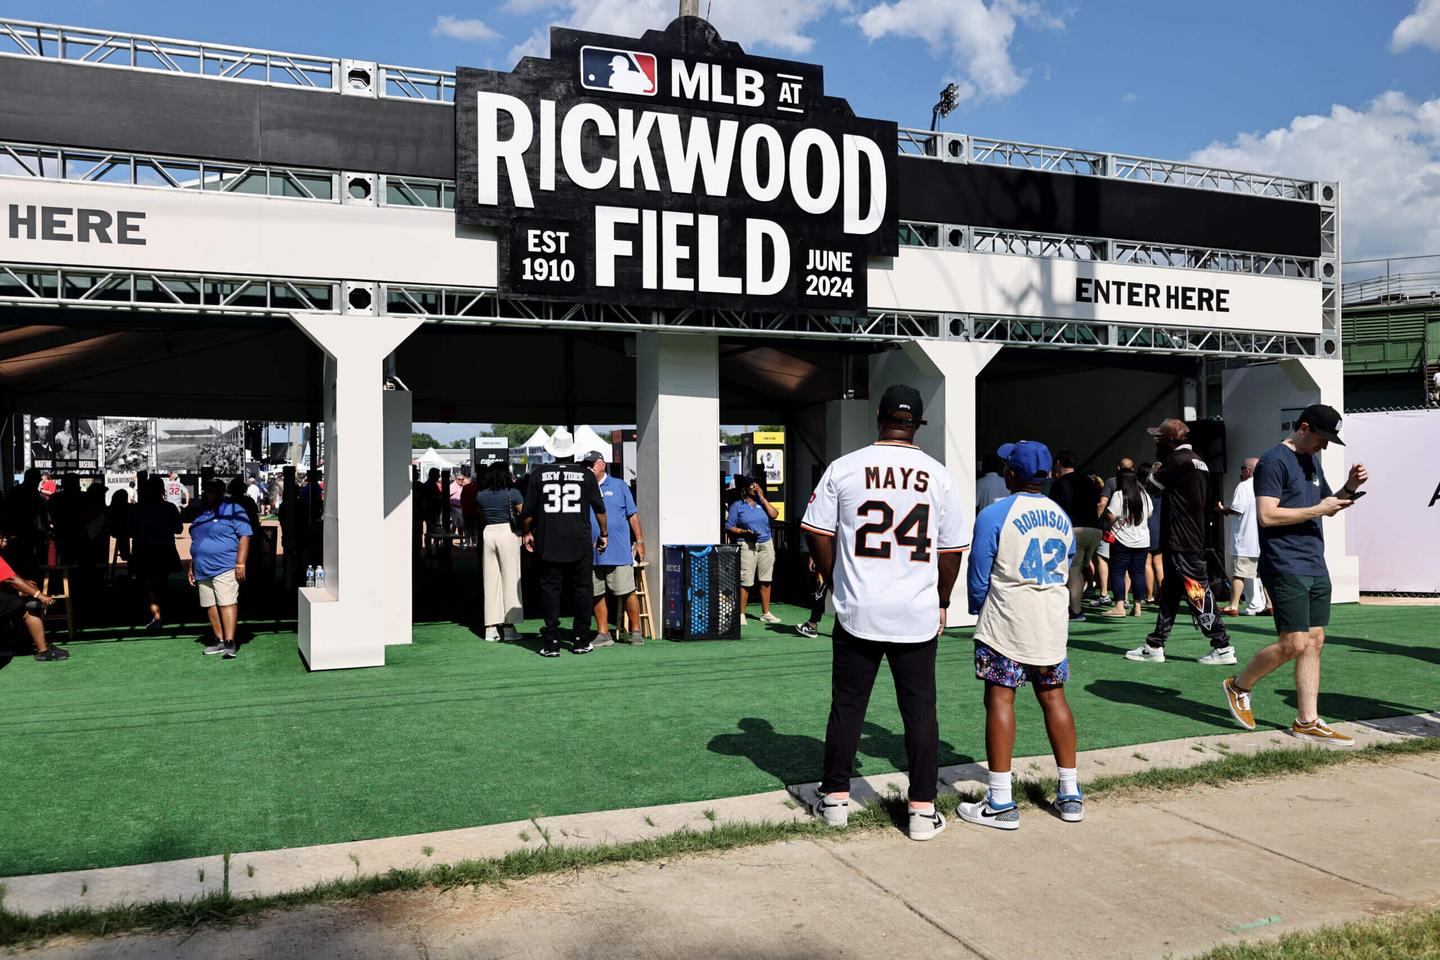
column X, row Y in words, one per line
column 359, row 78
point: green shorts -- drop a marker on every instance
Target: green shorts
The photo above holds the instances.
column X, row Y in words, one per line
column 1300, row 603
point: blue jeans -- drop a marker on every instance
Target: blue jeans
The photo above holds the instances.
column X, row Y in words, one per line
column 1129, row 560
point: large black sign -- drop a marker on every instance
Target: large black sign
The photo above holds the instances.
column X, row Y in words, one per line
column 674, row 171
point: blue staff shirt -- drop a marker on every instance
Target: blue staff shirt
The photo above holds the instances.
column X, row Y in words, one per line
column 749, row 516
column 215, row 539
column 619, row 507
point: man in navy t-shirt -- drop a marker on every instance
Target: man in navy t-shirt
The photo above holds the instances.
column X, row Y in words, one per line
column 1291, row 497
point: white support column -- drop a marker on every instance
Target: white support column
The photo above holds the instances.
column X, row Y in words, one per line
column 849, row 425
column 677, row 394
column 1260, row 401
column 347, row 623
column 944, row 371
column 398, row 552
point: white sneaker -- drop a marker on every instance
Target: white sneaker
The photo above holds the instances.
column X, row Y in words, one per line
column 1148, row 654
column 743, row 621
column 1219, row 655
column 925, row 824
column 835, row 813
column 769, row 617
column 492, row 635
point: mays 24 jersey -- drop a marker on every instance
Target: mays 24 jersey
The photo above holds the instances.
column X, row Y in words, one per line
column 892, row 510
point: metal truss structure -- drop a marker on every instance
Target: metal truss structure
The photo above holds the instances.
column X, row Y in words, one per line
column 227, row 62
column 954, row 236
column 98, row 288
column 963, row 148
column 1144, row 338
column 174, row 292
column 27, row 160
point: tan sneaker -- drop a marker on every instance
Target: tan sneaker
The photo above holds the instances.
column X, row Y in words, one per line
column 1239, row 701
column 1320, row 732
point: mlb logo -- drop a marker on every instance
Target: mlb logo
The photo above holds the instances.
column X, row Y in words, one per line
column 618, row 71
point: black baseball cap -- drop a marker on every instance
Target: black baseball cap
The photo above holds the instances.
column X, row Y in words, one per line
column 592, row 457
column 1324, row 422
column 901, row 398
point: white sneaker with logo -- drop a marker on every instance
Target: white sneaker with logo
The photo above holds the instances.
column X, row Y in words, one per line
column 981, row 812
column 1219, row 655
column 1148, row 654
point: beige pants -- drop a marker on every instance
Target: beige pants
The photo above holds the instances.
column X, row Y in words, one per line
column 500, row 556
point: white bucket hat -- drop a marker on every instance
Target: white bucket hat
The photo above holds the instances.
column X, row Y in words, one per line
column 561, row 444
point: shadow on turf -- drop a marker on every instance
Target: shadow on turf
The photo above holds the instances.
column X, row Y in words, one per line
column 1157, row 697
column 793, row 758
column 1343, row 706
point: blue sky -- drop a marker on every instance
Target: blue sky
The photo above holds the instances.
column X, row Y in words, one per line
column 1321, row 88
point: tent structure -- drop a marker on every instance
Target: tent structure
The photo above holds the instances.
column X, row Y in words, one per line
column 588, row 441
column 537, row 440
column 432, row 459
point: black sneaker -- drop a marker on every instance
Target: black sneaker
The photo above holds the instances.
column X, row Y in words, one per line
column 229, row 650
column 53, row 655
column 1077, row 617
column 807, row 629
column 550, row 648
column 580, row 647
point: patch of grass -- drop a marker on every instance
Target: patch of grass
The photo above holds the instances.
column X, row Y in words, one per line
column 1140, row 756
column 355, row 860
column 1233, row 767
column 1402, row 936
column 649, row 820
column 709, row 814
column 249, row 869
column 888, row 813
column 428, row 850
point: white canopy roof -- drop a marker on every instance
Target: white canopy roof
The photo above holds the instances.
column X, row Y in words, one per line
column 432, row 459
column 588, row 441
column 537, row 439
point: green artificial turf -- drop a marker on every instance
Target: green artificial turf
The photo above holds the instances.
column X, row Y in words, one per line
column 142, row 749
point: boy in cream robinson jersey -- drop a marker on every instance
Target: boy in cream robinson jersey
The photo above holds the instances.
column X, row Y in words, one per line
column 1019, row 568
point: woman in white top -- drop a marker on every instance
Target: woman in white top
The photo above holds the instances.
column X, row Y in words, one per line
column 1129, row 511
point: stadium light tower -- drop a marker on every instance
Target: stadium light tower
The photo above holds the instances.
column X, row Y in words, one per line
column 689, row 8
column 949, row 100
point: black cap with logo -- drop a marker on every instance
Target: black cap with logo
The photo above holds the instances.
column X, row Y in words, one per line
column 902, row 399
column 1324, row 422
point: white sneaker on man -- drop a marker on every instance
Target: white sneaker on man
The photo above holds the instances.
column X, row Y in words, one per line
column 835, row 813
column 1148, row 654
column 1219, row 655
column 769, row 617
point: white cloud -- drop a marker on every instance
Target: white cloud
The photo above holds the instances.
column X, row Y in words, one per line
column 1422, row 27
column 528, row 6
column 1130, row 98
column 775, row 24
column 535, row 45
column 1386, row 157
column 458, row 29
column 975, row 35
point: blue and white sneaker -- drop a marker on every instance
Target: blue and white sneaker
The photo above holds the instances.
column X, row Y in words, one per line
column 1071, row 809
column 988, row 815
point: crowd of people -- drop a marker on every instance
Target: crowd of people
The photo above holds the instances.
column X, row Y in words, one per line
column 94, row 534
column 885, row 530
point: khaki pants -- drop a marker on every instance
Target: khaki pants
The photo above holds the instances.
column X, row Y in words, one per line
column 500, row 559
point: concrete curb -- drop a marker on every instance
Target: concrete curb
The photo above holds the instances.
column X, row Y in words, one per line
column 269, row 872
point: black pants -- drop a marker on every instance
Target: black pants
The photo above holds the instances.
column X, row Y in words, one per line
column 817, row 604
column 553, row 577
column 852, row 677
column 1129, row 560
column 1187, row 580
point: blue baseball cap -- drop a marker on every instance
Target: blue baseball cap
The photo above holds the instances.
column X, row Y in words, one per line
column 1029, row 460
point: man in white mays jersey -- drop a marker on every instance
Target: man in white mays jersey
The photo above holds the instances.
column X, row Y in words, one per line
column 886, row 533
column 1019, row 566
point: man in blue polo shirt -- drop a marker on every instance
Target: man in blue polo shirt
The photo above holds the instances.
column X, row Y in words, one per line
column 219, row 545
column 748, row 522
column 1291, row 498
column 614, row 568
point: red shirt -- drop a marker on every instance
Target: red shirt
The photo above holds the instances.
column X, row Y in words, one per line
column 7, row 572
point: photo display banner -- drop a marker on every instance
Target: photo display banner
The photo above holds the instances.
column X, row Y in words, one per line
column 674, row 171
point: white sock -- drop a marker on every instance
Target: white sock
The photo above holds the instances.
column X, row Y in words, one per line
column 1069, row 786
column 1000, row 789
